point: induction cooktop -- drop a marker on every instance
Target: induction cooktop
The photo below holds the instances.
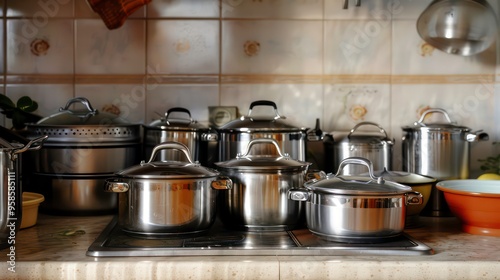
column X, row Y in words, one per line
column 220, row 241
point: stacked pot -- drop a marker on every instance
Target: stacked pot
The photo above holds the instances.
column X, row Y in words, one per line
column 85, row 146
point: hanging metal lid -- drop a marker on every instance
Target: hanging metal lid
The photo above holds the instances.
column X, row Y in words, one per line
column 254, row 124
column 170, row 123
column 263, row 163
column 356, row 185
column 168, row 169
column 363, row 138
column 85, row 125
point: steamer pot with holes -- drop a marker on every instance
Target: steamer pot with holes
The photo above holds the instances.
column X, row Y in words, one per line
column 84, row 147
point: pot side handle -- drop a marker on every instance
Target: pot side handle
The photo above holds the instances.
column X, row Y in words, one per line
column 222, row 183
column 414, row 198
column 299, row 195
column 115, row 186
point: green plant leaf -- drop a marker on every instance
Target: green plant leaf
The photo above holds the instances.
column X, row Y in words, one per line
column 6, row 103
column 26, row 104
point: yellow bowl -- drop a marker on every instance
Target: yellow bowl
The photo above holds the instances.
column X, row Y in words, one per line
column 31, row 201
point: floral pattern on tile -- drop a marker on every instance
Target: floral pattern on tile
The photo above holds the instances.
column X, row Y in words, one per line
column 348, row 105
column 24, row 42
column 469, row 105
column 195, row 98
column 103, row 51
column 301, row 104
column 358, row 47
column 184, row 8
column 284, row 47
column 183, row 46
column 412, row 56
column 41, row 11
column 127, row 101
column 271, row 9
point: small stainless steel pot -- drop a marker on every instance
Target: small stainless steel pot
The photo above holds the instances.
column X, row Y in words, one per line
column 258, row 200
column 235, row 135
column 355, row 209
column 167, row 197
column 375, row 146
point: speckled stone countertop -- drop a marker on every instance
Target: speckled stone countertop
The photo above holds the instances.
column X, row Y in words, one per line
column 56, row 249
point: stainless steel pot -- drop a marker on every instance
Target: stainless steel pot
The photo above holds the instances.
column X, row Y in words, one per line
column 84, row 145
column 201, row 142
column 355, row 209
column 462, row 27
column 167, row 197
column 438, row 150
column 374, row 146
column 258, row 200
column 235, row 135
column 11, row 187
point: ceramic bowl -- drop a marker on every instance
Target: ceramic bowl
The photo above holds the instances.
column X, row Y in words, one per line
column 31, row 201
column 476, row 203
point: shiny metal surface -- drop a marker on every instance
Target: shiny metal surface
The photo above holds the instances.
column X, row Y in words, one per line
column 85, row 159
column 461, row 27
column 168, row 206
column 220, row 241
column 374, row 146
column 74, row 195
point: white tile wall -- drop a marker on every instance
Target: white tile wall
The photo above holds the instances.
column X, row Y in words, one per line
column 311, row 57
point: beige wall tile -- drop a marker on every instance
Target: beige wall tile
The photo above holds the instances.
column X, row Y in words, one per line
column 102, row 51
column 273, row 9
column 45, row 49
column 41, row 11
column 183, row 9
column 183, row 46
column 271, row 47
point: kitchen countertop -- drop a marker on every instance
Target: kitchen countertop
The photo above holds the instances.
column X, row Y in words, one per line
column 56, row 249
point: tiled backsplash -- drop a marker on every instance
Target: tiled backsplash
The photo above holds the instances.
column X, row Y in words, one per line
column 311, row 57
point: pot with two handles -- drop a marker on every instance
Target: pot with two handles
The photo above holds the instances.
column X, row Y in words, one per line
column 258, row 200
column 355, row 209
column 375, row 146
column 235, row 135
column 440, row 150
column 10, row 185
column 178, row 126
column 159, row 198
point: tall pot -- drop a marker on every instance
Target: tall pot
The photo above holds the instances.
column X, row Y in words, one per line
column 201, row 142
column 84, row 145
column 258, row 200
column 354, row 209
column 375, row 146
column 167, row 197
column 440, row 150
column 11, row 187
column 235, row 135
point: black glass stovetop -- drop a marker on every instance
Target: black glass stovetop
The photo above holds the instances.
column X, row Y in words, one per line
column 220, row 241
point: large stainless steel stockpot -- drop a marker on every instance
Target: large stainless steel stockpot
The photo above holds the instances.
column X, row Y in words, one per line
column 439, row 150
column 201, row 142
column 258, row 200
column 10, row 185
column 167, row 197
column 350, row 208
column 375, row 146
column 235, row 135
column 84, row 145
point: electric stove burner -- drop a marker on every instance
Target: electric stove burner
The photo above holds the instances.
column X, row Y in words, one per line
column 219, row 241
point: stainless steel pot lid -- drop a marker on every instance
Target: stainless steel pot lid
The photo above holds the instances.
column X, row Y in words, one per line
column 405, row 178
column 88, row 126
column 254, row 124
column 170, row 123
column 356, row 185
column 168, row 169
column 245, row 162
column 446, row 125
column 358, row 137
